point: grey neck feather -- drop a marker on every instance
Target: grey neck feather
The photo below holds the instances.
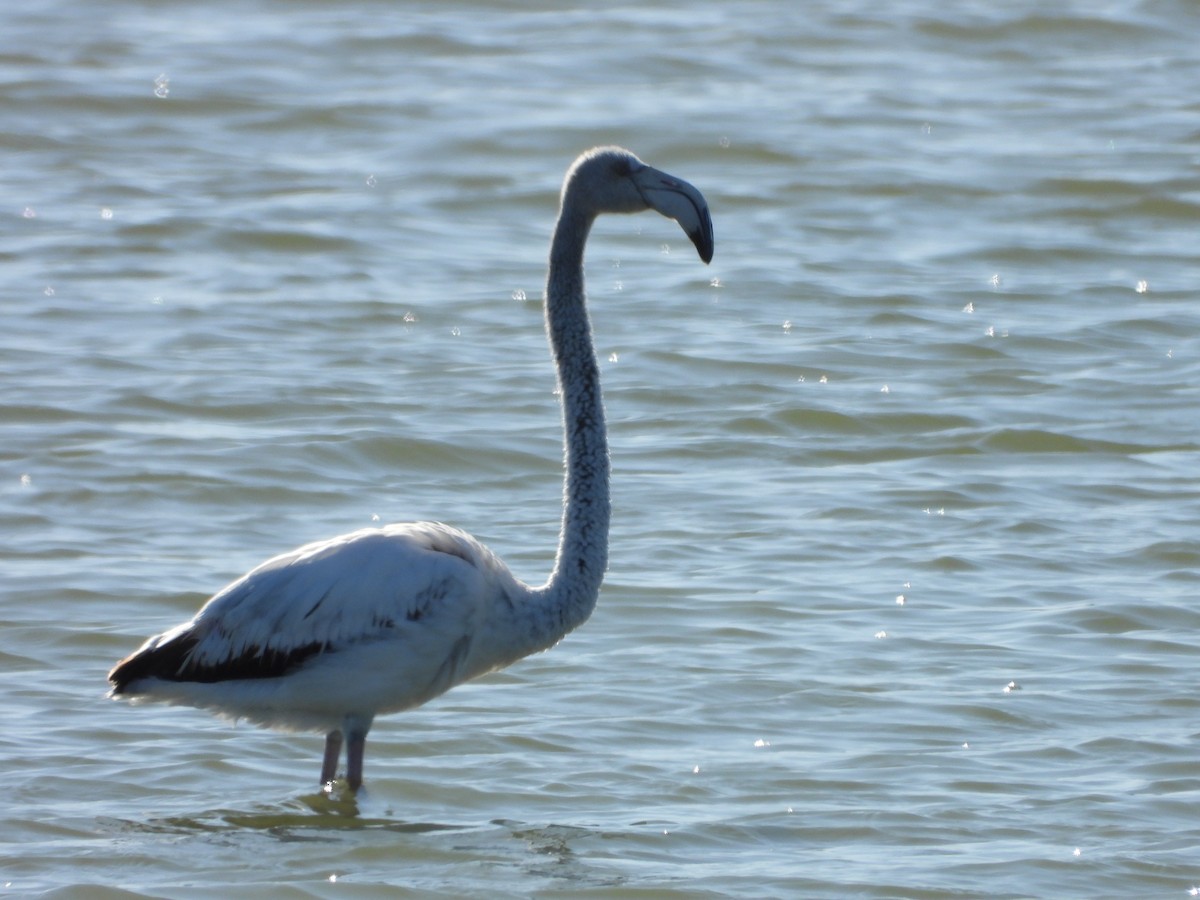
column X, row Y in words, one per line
column 569, row 596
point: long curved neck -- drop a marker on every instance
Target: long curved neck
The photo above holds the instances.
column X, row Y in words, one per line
column 569, row 596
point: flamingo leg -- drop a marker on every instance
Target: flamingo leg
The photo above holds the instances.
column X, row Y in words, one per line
column 333, row 749
column 354, row 759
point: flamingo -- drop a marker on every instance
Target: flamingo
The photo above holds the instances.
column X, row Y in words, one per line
column 381, row 620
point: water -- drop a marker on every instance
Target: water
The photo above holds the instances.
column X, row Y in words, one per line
column 902, row 597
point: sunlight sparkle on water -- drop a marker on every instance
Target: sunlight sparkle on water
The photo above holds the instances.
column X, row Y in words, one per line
column 162, row 86
column 1142, row 286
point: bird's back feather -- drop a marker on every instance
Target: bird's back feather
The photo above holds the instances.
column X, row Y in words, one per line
column 423, row 592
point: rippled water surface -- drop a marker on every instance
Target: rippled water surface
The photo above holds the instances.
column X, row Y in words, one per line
column 903, row 593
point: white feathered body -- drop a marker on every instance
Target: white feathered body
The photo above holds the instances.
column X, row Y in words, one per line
column 372, row 622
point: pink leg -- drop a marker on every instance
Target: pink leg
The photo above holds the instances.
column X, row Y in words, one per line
column 354, row 759
column 333, row 749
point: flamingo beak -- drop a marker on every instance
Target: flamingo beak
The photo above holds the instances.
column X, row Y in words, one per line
column 676, row 199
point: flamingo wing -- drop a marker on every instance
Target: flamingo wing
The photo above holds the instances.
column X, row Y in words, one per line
column 424, row 582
